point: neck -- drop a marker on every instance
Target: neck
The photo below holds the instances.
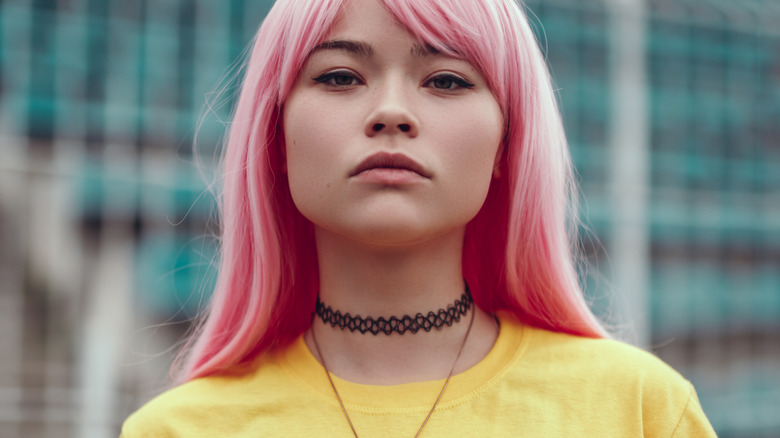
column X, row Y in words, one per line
column 371, row 280
column 381, row 281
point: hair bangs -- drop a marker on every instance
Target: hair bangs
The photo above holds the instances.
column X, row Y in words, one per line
column 462, row 29
column 307, row 24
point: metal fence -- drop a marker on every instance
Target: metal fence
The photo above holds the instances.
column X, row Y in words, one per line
column 673, row 113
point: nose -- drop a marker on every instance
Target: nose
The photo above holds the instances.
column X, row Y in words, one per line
column 392, row 114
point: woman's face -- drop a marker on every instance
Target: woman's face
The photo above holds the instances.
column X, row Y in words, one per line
column 387, row 141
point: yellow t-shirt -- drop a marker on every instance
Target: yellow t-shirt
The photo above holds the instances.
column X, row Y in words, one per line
column 533, row 383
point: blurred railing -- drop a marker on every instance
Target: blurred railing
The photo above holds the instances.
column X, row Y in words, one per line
column 108, row 231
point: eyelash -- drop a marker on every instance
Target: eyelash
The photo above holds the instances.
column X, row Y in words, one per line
column 327, row 77
column 329, row 80
column 457, row 80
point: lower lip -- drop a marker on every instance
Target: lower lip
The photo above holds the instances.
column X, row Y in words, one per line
column 387, row 176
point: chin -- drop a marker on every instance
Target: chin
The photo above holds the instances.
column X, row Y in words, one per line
column 395, row 237
column 396, row 234
column 393, row 225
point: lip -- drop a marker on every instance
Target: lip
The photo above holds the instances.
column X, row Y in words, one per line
column 391, row 163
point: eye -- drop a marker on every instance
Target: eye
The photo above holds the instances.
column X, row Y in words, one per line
column 447, row 81
column 339, row 78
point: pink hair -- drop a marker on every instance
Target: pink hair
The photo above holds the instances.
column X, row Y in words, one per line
column 517, row 254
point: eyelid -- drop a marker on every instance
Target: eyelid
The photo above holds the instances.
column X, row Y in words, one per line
column 456, row 78
column 330, row 74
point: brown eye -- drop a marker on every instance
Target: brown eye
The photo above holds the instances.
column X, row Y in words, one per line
column 338, row 79
column 343, row 80
column 448, row 82
column 442, row 83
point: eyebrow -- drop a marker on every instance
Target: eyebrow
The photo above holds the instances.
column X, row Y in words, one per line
column 424, row 50
column 364, row 50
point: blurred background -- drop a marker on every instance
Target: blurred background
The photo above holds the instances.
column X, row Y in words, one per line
column 107, row 227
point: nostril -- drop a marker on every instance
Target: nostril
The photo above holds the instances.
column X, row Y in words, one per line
column 378, row 127
column 404, row 127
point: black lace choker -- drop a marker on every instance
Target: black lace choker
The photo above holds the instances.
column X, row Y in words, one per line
column 452, row 314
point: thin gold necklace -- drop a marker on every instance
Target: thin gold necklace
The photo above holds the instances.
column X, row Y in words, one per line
column 441, row 393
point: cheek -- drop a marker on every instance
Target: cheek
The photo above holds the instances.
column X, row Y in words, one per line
column 474, row 139
column 301, row 122
column 473, row 155
column 312, row 153
column 312, row 135
column 300, row 151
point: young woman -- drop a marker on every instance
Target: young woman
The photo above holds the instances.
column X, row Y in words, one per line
column 395, row 256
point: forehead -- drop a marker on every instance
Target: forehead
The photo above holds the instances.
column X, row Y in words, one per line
column 364, row 24
column 366, row 17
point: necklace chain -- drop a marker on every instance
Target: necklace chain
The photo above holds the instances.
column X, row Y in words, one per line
column 441, row 393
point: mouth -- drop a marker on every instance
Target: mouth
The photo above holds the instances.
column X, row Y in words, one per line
column 385, row 160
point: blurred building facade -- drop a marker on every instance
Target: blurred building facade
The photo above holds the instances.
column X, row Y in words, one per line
column 672, row 108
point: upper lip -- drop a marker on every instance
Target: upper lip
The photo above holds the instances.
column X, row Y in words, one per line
column 390, row 161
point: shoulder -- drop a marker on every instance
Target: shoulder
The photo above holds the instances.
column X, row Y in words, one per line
column 164, row 415
column 207, row 405
column 611, row 376
column 591, row 358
